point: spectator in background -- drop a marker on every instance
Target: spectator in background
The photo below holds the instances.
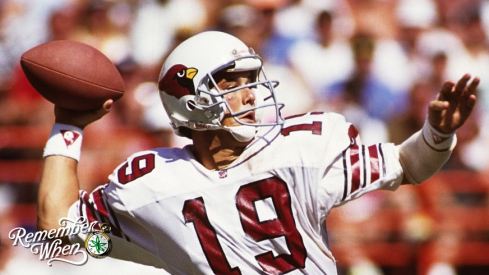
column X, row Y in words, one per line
column 275, row 45
column 467, row 24
column 415, row 18
column 324, row 60
column 363, row 97
column 405, row 124
column 157, row 21
column 363, row 88
column 65, row 20
column 243, row 21
column 157, row 27
column 422, row 91
column 378, row 19
column 23, row 25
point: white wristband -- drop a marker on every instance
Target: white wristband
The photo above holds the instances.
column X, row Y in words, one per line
column 64, row 140
column 424, row 153
column 437, row 140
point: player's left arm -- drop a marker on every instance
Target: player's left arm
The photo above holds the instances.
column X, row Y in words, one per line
column 424, row 153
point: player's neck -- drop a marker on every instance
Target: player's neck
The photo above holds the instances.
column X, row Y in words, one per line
column 216, row 150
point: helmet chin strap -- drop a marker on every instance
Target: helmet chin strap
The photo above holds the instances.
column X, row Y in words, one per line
column 243, row 133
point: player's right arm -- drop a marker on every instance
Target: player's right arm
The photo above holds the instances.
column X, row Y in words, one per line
column 58, row 190
column 59, row 186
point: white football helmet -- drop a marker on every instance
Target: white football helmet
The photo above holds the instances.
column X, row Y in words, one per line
column 190, row 94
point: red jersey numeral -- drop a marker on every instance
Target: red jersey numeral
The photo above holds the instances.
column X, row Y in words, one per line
column 282, row 226
column 140, row 166
column 315, row 128
column 194, row 212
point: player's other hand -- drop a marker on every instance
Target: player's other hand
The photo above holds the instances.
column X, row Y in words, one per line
column 81, row 118
column 453, row 104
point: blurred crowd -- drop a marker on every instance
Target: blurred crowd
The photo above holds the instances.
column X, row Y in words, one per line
column 377, row 62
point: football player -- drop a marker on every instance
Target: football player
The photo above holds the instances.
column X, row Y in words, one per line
column 251, row 193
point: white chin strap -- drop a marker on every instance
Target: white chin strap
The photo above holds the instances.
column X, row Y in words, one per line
column 243, row 133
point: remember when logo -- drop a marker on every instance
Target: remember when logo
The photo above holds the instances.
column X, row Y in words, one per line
column 49, row 245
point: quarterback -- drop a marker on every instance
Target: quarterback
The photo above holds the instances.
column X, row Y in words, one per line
column 251, row 194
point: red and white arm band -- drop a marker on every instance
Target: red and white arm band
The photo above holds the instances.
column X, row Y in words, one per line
column 64, row 140
column 425, row 152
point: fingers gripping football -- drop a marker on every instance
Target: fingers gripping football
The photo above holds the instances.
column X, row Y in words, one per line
column 81, row 119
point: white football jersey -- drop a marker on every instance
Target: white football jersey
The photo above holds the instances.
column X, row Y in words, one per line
column 263, row 215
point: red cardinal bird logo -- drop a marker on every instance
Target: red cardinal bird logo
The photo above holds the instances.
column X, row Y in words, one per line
column 178, row 81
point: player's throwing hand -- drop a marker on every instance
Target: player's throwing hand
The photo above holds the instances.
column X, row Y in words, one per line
column 81, row 118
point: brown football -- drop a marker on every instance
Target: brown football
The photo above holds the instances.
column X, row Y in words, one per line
column 72, row 74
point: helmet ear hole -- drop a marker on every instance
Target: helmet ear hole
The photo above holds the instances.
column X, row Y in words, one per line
column 191, row 105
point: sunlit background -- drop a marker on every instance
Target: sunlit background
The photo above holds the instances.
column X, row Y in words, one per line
column 377, row 62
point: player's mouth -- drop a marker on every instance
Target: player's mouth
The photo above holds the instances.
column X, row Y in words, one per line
column 248, row 117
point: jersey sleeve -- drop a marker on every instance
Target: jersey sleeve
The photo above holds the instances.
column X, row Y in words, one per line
column 352, row 169
column 103, row 205
column 94, row 207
